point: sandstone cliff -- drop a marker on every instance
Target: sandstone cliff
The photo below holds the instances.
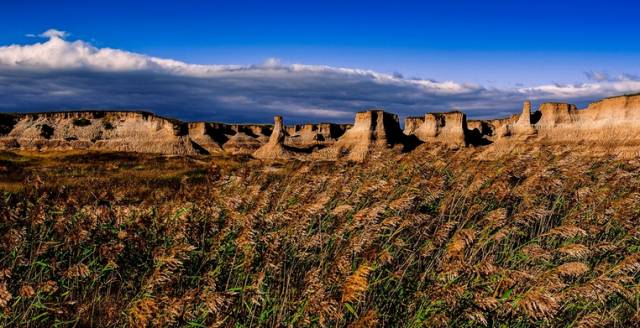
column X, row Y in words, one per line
column 448, row 128
column 203, row 135
column 111, row 131
column 613, row 121
column 128, row 131
column 524, row 126
column 373, row 129
column 553, row 114
column 311, row 135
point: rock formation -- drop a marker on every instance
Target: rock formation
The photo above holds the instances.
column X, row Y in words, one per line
column 448, row 128
column 552, row 114
column 128, row 131
column 110, row 131
column 274, row 148
column 523, row 125
column 241, row 144
column 261, row 132
column 202, row 135
column 311, row 135
column 517, row 125
column 372, row 129
column 612, row 121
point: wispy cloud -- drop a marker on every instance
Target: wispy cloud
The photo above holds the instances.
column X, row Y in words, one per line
column 62, row 74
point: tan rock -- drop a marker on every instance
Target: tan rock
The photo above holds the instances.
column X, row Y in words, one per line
column 412, row 123
column 111, row 131
column 373, row 129
column 202, row 134
column 241, row 144
column 274, row 149
column 523, row 125
column 553, row 114
column 310, row 135
column 448, row 128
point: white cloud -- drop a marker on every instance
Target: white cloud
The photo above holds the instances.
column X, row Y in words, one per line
column 59, row 54
column 53, row 33
column 583, row 90
column 58, row 73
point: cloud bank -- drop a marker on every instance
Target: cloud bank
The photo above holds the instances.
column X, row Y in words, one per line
column 58, row 74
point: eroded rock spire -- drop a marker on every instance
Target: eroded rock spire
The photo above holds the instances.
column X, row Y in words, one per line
column 274, row 148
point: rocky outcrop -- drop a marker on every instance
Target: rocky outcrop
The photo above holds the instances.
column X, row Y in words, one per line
column 553, row 114
column 261, row 132
column 448, row 128
column 623, row 108
column 517, row 125
column 611, row 121
column 110, row 131
column 202, row 135
column 373, row 129
column 127, row 131
column 411, row 124
column 312, row 135
column 241, row 144
column 274, row 148
column 524, row 126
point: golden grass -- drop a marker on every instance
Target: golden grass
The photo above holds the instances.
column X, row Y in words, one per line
column 533, row 236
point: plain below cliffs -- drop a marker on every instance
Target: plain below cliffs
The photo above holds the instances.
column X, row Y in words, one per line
column 614, row 121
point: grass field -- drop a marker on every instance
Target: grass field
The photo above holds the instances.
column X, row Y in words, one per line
column 541, row 237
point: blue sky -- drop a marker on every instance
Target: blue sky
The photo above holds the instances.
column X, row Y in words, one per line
column 499, row 44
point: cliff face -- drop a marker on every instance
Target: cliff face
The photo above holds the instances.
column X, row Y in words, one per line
column 310, row 135
column 411, row 124
column 615, row 121
column 626, row 108
column 204, row 135
column 448, row 128
column 110, row 131
column 552, row 114
column 126, row 131
column 372, row 129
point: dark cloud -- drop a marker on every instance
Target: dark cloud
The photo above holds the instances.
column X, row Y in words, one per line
column 63, row 75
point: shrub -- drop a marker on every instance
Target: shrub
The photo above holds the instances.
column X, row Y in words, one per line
column 81, row 122
column 46, row 131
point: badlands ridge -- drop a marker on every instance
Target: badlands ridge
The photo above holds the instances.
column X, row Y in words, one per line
column 614, row 121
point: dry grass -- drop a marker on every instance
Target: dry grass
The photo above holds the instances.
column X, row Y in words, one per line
column 535, row 236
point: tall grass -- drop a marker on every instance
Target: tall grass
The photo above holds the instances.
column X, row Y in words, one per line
column 541, row 237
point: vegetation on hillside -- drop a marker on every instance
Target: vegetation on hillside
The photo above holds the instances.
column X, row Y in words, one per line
column 436, row 237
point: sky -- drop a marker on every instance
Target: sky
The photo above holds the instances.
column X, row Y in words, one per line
column 245, row 61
